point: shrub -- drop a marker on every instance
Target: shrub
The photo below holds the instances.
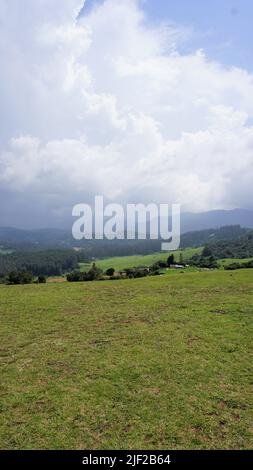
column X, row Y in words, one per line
column 170, row 260
column 19, row 277
column 233, row 266
column 76, row 276
column 94, row 273
column 162, row 264
column 110, row 272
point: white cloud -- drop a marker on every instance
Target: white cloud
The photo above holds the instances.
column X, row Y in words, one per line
column 106, row 104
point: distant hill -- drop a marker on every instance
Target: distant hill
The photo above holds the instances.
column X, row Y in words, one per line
column 191, row 224
column 215, row 219
column 44, row 237
column 211, row 236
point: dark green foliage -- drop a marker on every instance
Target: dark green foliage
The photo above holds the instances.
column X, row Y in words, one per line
column 210, row 236
column 154, row 267
column 138, row 274
column 130, row 272
column 42, row 279
column 19, row 277
column 76, row 276
column 133, row 273
column 234, row 266
column 237, row 248
column 93, row 274
column 207, row 251
column 46, row 263
column 96, row 273
column 170, row 260
column 110, row 272
column 161, row 264
column 204, row 262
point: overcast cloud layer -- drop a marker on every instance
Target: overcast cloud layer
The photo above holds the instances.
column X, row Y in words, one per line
column 106, row 104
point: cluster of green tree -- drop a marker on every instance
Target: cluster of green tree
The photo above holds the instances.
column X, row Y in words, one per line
column 19, row 277
column 93, row 274
column 107, row 248
column 234, row 266
column 162, row 264
column 22, row 277
column 97, row 274
column 240, row 248
column 210, row 236
column 92, row 249
column 200, row 261
column 47, row 263
column 138, row 272
column 129, row 273
column 236, row 248
column 38, row 240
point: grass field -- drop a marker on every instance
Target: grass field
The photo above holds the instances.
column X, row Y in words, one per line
column 160, row 362
column 124, row 262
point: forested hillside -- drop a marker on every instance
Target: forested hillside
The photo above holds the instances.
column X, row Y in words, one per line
column 237, row 248
column 226, row 242
column 49, row 262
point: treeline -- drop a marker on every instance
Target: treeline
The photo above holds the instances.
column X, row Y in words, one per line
column 47, row 263
column 234, row 266
column 206, row 262
column 95, row 273
column 107, row 249
column 18, row 240
column 226, row 242
column 239, row 248
column 22, row 277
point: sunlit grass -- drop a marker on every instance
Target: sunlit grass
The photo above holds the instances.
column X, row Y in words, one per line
column 124, row 262
column 160, row 362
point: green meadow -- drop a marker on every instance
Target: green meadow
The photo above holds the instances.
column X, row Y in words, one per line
column 154, row 363
column 123, row 262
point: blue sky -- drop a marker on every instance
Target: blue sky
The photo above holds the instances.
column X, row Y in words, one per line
column 223, row 28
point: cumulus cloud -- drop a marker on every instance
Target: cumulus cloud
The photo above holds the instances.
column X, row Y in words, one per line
column 106, row 104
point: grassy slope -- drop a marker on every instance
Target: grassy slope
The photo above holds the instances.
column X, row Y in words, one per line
column 227, row 261
column 124, row 262
column 151, row 363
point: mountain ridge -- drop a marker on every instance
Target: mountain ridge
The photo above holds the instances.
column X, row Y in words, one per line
column 190, row 222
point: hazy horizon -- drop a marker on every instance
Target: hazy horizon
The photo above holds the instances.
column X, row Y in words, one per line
column 186, row 217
